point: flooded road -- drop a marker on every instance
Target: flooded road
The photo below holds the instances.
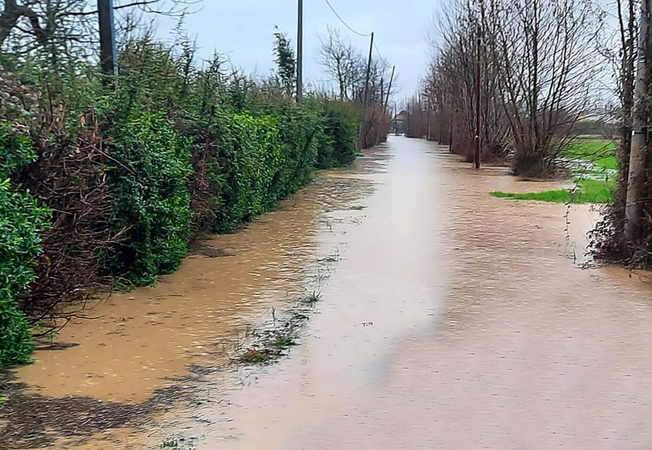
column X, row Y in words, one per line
column 446, row 319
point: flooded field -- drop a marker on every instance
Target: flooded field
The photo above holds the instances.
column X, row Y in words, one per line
column 442, row 318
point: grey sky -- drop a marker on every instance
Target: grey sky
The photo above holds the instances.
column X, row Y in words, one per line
column 242, row 30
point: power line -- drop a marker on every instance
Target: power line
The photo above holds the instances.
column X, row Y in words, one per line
column 344, row 22
column 378, row 51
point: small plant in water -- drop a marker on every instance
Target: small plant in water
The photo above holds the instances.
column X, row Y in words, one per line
column 170, row 443
column 311, row 299
column 284, row 341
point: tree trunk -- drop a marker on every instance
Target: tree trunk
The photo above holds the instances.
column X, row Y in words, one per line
column 636, row 180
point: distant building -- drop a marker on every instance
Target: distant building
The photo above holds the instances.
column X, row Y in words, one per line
column 400, row 122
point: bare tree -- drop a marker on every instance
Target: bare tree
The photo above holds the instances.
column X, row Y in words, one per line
column 59, row 26
column 343, row 63
column 546, row 75
column 534, row 87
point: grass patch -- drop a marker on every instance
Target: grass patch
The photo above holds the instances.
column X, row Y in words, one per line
column 587, row 191
column 273, row 339
column 600, row 152
column 592, row 185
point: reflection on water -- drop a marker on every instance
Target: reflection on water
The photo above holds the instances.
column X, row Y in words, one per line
column 455, row 320
column 448, row 319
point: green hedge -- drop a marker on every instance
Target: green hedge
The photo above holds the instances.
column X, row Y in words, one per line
column 340, row 131
column 148, row 172
column 248, row 156
column 21, row 223
column 262, row 159
column 250, row 162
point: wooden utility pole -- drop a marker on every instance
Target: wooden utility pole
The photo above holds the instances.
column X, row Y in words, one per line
column 362, row 133
column 108, row 50
column 300, row 54
column 382, row 92
column 428, row 116
column 389, row 88
column 366, row 83
column 637, row 155
column 450, row 135
column 395, row 121
column 478, row 88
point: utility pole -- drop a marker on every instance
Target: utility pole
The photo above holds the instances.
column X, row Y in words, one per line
column 637, row 155
column 389, row 89
column 108, row 50
column 362, row 134
column 382, row 92
column 395, row 121
column 450, row 136
column 300, row 54
column 428, row 116
column 478, row 88
column 366, row 83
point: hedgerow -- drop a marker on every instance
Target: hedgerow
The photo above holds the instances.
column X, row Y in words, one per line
column 22, row 221
column 135, row 167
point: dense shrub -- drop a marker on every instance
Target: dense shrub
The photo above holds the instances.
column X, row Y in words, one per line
column 262, row 159
column 249, row 155
column 300, row 131
column 21, row 223
column 244, row 163
column 339, row 146
column 148, row 175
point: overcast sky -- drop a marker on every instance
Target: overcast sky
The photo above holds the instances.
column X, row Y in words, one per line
column 242, row 30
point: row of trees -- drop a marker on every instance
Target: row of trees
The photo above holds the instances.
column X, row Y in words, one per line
column 107, row 180
column 539, row 65
column 543, row 64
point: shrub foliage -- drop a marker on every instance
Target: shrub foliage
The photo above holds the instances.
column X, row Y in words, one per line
column 110, row 179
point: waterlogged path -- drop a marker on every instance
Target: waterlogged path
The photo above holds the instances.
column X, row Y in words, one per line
column 447, row 319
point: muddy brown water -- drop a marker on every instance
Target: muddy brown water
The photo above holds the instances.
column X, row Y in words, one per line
column 447, row 319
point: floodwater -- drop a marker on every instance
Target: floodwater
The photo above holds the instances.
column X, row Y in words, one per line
column 447, row 319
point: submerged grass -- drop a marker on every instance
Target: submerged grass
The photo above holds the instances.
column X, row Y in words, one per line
column 272, row 340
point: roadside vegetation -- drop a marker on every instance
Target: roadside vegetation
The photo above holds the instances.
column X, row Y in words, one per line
column 573, row 60
column 584, row 191
column 105, row 180
column 591, row 164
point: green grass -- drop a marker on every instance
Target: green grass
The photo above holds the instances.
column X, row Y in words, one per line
column 592, row 185
column 587, row 191
column 601, row 152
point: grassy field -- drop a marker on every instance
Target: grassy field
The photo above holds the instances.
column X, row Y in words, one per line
column 593, row 183
column 601, row 153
